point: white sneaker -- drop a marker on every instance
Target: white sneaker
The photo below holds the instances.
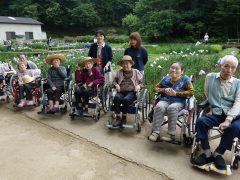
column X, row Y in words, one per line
column 154, row 137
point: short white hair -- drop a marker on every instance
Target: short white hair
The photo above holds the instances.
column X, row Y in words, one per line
column 229, row 58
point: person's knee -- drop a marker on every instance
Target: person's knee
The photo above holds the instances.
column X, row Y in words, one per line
column 117, row 98
column 159, row 108
column 234, row 128
column 200, row 122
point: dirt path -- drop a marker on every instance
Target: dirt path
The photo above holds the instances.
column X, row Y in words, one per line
column 32, row 150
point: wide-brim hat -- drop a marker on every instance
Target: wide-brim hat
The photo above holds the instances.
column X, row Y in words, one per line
column 126, row 58
column 51, row 57
column 27, row 79
column 85, row 60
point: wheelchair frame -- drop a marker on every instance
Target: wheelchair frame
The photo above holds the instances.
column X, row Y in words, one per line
column 139, row 108
column 7, row 84
column 235, row 151
column 98, row 102
column 14, row 89
column 186, row 122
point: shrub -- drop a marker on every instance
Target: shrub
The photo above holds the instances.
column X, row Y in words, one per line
column 216, row 48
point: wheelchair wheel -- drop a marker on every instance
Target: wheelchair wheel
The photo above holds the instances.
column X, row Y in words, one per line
column 187, row 141
column 71, row 90
column 105, row 97
column 139, row 128
column 236, row 163
column 145, row 105
column 8, row 99
column 12, row 82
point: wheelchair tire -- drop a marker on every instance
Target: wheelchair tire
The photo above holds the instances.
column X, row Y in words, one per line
column 187, row 141
column 236, row 163
column 8, row 99
column 63, row 110
column 139, row 128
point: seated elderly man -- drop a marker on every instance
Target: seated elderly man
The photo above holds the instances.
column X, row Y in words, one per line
column 223, row 94
column 127, row 82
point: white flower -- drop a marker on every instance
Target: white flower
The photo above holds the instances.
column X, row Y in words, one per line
column 154, row 62
column 151, row 65
column 201, row 72
column 171, row 53
column 159, row 66
column 157, row 59
column 161, row 57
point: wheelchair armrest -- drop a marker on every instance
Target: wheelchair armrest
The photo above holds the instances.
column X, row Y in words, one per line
column 203, row 104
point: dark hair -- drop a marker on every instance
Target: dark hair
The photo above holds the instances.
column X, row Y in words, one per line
column 179, row 63
column 22, row 54
column 101, row 32
column 137, row 37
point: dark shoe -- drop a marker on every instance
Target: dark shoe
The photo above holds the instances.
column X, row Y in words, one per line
column 118, row 122
column 202, row 160
column 85, row 113
column 219, row 162
column 124, row 119
column 78, row 112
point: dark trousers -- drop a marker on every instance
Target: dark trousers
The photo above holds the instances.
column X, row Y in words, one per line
column 83, row 94
column 207, row 122
column 55, row 95
column 125, row 99
column 26, row 89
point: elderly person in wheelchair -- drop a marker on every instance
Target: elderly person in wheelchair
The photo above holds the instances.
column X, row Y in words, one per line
column 55, row 79
column 223, row 94
column 87, row 81
column 173, row 89
column 127, row 82
column 25, row 80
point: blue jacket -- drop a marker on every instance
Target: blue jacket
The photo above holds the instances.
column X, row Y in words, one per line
column 139, row 56
column 106, row 53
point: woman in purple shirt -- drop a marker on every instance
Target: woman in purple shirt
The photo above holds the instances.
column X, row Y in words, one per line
column 87, row 80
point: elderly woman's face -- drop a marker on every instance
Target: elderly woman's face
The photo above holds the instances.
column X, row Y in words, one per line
column 22, row 67
column 100, row 38
column 133, row 42
column 175, row 71
column 126, row 65
column 88, row 65
column 56, row 62
column 22, row 58
column 228, row 68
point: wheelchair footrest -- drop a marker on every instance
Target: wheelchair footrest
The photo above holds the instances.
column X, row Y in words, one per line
column 128, row 126
column 212, row 167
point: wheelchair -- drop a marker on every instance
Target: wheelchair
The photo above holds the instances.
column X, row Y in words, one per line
column 97, row 103
column 15, row 90
column 215, row 133
column 64, row 99
column 6, row 72
column 139, row 108
column 186, row 121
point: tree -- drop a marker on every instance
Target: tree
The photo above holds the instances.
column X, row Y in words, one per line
column 131, row 22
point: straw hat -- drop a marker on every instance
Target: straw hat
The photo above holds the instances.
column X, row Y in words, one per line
column 126, row 58
column 50, row 58
column 27, row 79
column 85, row 60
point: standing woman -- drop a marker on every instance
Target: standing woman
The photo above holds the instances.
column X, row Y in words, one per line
column 102, row 52
column 138, row 53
